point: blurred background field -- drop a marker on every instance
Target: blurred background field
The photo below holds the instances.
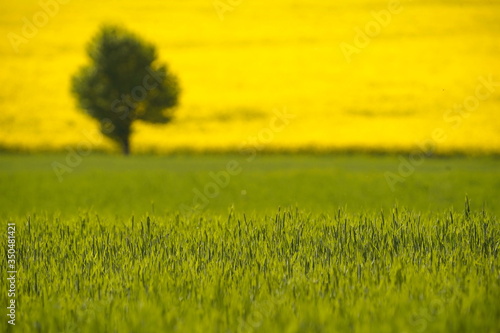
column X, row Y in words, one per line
column 262, row 56
column 117, row 187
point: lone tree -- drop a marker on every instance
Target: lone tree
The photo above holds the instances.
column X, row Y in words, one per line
column 124, row 83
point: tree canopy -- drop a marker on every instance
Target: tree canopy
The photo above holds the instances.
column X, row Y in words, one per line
column 124, row 82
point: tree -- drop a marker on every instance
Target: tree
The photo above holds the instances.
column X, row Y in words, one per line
column 124, row 83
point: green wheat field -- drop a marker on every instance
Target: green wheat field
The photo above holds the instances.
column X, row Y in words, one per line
column 331, row 166
column 292, row 243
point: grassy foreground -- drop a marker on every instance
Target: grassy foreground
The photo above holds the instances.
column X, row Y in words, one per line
column 290, row 272
column 110, row 247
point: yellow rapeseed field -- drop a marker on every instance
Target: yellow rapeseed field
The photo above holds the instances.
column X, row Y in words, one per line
column 359, row 74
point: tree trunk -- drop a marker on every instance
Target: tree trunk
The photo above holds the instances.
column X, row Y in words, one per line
column 126, row 146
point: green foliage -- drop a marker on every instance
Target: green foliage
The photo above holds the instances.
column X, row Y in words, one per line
column 109, row 251
column 122, row 186
column 124, row 83
column 291, row 271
